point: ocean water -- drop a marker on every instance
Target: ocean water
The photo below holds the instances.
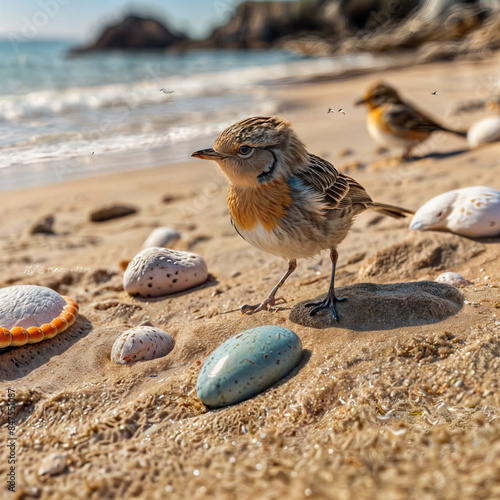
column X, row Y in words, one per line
column 63, row 117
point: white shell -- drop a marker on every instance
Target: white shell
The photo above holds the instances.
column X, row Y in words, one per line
column 484, row 131
column 155, row 271
column 52, row 465
column 141, row 343
column 473, row 211
column 29, row 305
column 453, row 279
column 161, row 237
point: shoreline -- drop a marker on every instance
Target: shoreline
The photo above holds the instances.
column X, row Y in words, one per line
column 264, row 101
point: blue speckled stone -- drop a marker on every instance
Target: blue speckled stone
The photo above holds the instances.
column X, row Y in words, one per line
column 246, row 364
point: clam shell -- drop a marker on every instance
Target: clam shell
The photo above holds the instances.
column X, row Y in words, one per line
column 156, row 271
column 140, row 344
column 30, row 314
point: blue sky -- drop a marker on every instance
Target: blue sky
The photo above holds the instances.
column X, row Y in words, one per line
column 82, row 19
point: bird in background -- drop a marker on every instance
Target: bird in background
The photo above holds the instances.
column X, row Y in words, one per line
column 286, row 201
column 393, row 122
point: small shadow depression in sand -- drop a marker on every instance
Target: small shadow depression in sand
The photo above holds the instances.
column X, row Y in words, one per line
column 383, row 307
column 16, row 362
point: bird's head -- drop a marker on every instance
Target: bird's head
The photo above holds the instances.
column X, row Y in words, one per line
column 257, row 150
column 379, row 93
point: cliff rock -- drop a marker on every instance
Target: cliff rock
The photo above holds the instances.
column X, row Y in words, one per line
column 133, row 33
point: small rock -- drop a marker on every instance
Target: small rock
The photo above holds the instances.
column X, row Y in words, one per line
column 141, row 343
column 52, row 465
column 43, row 226
column 111, row 212
column 247, row 364
column 345, row 152
column 169, row 198
column 162, row 237
column 155, row 271
column 123, row 264
column 382, row 307
column 453, row 279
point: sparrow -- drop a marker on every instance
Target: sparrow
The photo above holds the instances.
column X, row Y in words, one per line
column 393, row 122
column 286, row 201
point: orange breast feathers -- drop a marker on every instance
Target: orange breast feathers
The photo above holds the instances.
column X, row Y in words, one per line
column 266, row 204
column 376, row 116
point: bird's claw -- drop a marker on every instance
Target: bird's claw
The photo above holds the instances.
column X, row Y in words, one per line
column 327, row 303
column 265, row 305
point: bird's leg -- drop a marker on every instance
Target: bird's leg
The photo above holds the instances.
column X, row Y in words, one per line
column 407, row 154
column 329, row 301
column 270, row 300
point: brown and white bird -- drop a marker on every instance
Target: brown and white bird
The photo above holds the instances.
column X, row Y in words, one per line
column 392, row 122
column 285, row 200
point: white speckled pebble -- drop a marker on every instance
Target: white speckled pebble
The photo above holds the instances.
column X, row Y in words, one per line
column 161, row 237
column 155, row 271
column 453, row 279
column 141, row 343
column 246, row 364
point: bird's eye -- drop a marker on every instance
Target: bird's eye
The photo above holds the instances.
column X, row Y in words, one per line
column 245, row 151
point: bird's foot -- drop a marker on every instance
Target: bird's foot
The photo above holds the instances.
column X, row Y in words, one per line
column 265, row 305
column 327, row 303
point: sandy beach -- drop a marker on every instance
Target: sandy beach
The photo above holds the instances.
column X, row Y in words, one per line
column 399, row 400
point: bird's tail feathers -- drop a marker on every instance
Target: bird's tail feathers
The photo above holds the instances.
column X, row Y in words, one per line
column 460, row 133
column 390, row 210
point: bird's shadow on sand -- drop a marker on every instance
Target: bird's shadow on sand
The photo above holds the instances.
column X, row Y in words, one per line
column 384, row 307
column 436, row 155
column 17, row 362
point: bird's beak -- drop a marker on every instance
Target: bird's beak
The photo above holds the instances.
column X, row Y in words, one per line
column 363, row 100
column 207, row 154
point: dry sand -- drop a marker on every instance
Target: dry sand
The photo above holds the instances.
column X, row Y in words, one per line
column 401, row 399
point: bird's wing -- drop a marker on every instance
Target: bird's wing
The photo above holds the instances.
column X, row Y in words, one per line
column 405, row 117
column 339, row 190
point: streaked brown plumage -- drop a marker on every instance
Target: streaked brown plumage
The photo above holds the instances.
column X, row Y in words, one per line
column 286, row 201
column 393, row 122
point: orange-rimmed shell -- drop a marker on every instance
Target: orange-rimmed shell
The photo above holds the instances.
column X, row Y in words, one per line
column 30, row 314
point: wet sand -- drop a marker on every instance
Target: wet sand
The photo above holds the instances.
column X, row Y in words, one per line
column 400, row 399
